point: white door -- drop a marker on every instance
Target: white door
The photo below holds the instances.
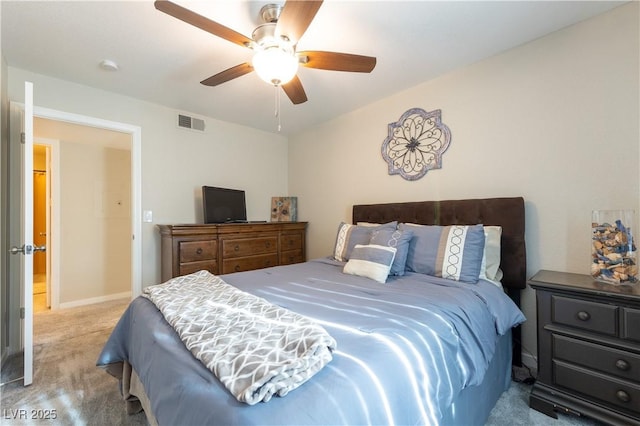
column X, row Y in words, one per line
column 26, row 228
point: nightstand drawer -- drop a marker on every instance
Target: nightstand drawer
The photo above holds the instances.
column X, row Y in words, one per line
column 597, row 317
column 617, row 392
column 607, row 360
column 192, row 251
column 631, row 325
column 249, row 247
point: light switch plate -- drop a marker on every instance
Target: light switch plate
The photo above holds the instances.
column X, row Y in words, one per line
column 147, row 216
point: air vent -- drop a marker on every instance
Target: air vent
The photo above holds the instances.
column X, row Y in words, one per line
column 191, row 123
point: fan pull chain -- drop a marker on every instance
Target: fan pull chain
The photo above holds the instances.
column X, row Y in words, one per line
column 277, row 106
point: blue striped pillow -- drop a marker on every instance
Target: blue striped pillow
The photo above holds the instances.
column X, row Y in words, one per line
column 371, row 261
column 350, row 235
column 454, row 252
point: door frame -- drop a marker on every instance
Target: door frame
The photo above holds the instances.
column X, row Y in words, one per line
column 135, row 133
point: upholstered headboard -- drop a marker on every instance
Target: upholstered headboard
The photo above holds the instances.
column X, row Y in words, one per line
column 505, row 212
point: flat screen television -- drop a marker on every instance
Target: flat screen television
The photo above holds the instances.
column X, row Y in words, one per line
column 223, row 205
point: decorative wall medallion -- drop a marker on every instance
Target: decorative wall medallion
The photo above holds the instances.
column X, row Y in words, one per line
column 415, row 143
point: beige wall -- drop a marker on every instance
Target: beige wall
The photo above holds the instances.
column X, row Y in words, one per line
column 555, row 121
column 95, row 223
column 175, row 162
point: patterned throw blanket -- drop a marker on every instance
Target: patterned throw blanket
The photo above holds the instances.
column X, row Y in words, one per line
column 256, row 349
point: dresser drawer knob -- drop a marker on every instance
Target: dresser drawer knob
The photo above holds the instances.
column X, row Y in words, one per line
column 623, row 365
column 623, row 396
column 237, row 268
column 583, row 316
column 199, row 251
column 267, row 244
column 236, row 248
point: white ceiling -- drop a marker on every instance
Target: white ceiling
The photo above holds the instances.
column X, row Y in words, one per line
column 162, row 59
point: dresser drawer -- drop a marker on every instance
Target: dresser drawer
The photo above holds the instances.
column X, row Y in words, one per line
column 291, row 256
column 249, row 263
column 597, row 317
column 249, row 247
column 192, row 251
column 607, row 360
column 191, row 267
column 631, row 325
column 291, row 242
column 616, row 392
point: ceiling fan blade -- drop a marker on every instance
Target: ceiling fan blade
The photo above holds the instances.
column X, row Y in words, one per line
column 201, row 22
column 295, row 91
column 336, row 61
column 229, row 74
column 295, row 18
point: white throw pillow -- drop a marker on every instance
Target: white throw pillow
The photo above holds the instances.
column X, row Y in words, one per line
column 371, row 261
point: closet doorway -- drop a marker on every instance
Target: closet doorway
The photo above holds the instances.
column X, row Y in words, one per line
column 89, row 213
column 41, row 226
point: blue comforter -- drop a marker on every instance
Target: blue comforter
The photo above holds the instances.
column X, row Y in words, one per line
column 405, row 349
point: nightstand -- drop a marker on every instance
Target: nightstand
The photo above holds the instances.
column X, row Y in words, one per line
column 588, row 348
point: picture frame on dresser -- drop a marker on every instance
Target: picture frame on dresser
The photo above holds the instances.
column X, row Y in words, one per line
column 588, row 348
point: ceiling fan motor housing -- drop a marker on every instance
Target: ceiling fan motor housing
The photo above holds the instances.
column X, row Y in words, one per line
column 269, row 13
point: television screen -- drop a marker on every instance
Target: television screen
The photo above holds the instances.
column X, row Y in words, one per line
column 223, row 205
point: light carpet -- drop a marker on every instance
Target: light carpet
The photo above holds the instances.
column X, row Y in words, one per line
column 67, row 344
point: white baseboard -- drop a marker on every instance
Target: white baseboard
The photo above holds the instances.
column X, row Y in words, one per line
column 93, row 300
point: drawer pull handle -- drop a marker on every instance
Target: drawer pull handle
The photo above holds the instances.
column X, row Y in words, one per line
column 623, row 396
column 623, row 365
column 267, row 244
column 237, row 268
column 583, row 316
column 236, row 248
column 199, row 251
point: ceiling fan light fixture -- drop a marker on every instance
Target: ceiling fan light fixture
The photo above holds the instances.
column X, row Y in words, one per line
column 275, row 65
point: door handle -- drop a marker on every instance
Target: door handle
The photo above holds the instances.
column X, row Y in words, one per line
column 16, row 250
column 25, row 249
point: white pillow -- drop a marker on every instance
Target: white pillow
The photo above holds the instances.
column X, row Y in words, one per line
column 371, row 261
column 490, row 269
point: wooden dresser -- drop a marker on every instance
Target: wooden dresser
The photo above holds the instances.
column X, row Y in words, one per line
column 588, row 348
column 230, row 247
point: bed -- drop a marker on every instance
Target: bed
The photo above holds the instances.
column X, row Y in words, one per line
column 414, row 349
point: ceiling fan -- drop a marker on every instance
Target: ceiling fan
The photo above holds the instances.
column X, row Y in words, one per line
column 274, row 42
